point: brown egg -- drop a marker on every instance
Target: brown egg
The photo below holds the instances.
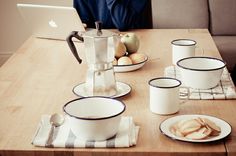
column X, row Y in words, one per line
column 137, row 57
column 124, row 60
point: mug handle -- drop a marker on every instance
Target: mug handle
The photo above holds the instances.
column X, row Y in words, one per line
column 72, row 45
column 184, row 94
column 200, row 52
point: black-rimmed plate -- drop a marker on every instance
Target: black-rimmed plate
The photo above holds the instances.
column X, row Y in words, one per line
column 166, row 124
column 122, row 90
column 131, row 67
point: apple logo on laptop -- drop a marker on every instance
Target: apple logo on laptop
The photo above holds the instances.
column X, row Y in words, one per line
column 52, row 24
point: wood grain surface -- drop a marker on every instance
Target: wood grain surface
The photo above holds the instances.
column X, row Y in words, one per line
column 38, row 79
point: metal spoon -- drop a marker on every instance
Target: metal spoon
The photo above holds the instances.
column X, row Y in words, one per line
column 56, row 120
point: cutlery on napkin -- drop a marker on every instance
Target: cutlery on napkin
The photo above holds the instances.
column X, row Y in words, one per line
column 63, row 136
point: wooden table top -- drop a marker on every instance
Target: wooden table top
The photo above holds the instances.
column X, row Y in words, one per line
column 38, row 79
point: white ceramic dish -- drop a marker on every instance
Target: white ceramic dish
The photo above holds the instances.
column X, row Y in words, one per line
column 201, row 72
column 94, row 118
column 122, row 90
column 166, row 124
column 128, row 68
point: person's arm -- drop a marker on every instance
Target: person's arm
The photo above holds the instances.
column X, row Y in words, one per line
column 84, row 12
column 126, row 13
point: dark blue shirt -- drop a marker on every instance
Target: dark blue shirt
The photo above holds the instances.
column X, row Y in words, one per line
column 120, row 14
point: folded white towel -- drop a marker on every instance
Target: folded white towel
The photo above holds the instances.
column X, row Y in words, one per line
column 63, row 136
column 225, row 89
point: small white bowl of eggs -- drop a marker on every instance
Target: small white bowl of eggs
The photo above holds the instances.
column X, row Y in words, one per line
column 130, row 63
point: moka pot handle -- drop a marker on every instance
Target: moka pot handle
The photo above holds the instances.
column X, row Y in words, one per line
column 72, row 45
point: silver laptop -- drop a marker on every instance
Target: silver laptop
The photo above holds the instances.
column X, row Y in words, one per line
column 52, row 22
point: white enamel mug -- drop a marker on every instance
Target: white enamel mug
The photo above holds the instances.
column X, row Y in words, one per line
column 164, row 95
column 182, row 48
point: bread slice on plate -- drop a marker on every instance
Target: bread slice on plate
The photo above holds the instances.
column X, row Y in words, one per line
column 202, row 133
column 189, row 126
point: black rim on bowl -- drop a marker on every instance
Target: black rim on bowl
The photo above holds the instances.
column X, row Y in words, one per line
column 173, row 42
column 194, row 69
column 159, row 78
column 99, row 118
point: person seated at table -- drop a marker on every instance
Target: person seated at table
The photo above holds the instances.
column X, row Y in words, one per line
column 118, row 14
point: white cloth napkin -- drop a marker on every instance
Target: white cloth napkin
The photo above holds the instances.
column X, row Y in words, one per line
column 224, row 90
column 63, row 136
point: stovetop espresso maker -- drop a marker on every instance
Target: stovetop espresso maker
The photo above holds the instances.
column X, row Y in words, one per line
column 99, row 51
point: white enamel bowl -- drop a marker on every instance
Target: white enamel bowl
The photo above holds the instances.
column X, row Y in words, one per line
column 201, row 72
column 94, row 118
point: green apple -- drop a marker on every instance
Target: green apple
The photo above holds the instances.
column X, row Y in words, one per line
column 131, row 42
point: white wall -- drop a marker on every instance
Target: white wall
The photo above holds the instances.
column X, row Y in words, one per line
column 13, row 31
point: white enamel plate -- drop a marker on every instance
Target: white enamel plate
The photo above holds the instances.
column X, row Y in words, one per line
column 166, row 124
column 122, row 90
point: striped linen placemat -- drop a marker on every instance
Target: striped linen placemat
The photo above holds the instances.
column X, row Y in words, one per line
column 63, row 136
column 224, row 90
